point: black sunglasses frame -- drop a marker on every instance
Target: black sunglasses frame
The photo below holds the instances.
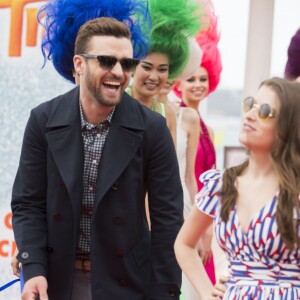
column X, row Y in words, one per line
column 108, row 62
column 247, row 106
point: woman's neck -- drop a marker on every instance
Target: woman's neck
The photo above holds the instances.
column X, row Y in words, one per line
column 162, row 98
column 192, row 104
column 260, row 165
column 147, row 101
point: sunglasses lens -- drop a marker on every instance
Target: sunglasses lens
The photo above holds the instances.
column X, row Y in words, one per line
column 107, row 62
column 248, row 104
column 264, row 111
column 129, row 64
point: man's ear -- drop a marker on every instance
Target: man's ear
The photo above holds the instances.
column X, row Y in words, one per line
column 78, row 62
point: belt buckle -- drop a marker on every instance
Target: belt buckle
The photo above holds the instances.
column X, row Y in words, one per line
column 84, row 266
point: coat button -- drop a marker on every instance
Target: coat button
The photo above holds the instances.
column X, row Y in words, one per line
column 57, row 217
column 118, row 220
column 120, row 253
column 116, row 185
column 122, row 282
column 24, row 255
column 172, row 292
column 62, row 185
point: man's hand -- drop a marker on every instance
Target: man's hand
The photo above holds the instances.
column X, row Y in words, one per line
column 34, row 287
column 15, row 264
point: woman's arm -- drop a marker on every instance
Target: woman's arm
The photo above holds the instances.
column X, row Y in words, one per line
column 192, row 125
column 187, row 254
column 171, row 121
column 205, row 243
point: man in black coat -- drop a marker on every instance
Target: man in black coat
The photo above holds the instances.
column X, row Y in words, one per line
column 88, row 159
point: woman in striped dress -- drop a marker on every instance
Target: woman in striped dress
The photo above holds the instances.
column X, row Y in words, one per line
column 254, row 206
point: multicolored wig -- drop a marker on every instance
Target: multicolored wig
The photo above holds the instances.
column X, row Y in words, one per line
column 292, row 68
column 208, row 40
column 63, row 19
column 173, row 22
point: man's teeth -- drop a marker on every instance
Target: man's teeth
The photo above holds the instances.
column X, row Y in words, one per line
column 112, row 83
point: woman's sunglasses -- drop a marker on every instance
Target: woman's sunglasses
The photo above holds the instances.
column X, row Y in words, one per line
column 107, row 62
column 265, row 111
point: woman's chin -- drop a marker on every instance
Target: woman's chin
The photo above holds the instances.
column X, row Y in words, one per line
column 244, row 140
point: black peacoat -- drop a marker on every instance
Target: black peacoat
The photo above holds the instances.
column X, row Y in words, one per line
column 128, row 261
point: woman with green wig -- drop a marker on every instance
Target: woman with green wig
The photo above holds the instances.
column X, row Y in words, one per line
column 174, row 24
column 173, row 54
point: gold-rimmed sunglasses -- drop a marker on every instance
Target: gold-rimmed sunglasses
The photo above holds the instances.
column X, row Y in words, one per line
column 265, row 111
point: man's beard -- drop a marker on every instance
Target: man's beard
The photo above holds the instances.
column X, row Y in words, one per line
column 96, row 92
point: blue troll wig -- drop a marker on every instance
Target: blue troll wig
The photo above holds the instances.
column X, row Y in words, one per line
column 63, row 19
column 173, row 23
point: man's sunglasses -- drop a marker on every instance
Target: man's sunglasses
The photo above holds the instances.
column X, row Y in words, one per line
column 107, row 62
column 265, row 111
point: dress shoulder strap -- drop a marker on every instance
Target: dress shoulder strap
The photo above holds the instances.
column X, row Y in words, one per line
column 179, row 118
column 163, row 109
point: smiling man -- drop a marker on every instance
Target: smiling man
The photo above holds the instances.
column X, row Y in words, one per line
column 88, row 159
column 104, row 72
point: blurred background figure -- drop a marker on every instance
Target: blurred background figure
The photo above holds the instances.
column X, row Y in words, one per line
column 292, row 68
column 187, row 136
column 173, row 23
column 173, row 54
column 149, row 77
column 193, row 91
column 163, row 94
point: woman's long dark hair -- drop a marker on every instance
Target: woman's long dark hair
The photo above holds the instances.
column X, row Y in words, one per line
column 285, row 157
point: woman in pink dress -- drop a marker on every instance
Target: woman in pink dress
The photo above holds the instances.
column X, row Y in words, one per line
column 254, row 206
column 192, row 92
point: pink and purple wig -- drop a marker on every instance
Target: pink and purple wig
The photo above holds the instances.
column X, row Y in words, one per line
column 292, row 68
column 211, row 59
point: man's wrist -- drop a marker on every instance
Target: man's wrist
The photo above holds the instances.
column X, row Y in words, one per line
column 32, row 270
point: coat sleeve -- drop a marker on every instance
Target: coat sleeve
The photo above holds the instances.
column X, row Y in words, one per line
column 29, row 202
column 165, row 198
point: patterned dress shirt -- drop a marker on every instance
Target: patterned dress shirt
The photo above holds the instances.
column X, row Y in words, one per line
column 94, row 137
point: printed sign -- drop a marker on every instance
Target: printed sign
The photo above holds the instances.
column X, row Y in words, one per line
column 23, row 85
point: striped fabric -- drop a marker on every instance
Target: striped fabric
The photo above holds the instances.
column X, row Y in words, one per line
column 260, row 265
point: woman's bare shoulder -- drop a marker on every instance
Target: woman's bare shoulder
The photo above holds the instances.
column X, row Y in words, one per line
column 190, row 115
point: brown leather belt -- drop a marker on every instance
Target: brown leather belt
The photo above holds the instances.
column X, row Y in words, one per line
column 84, row 265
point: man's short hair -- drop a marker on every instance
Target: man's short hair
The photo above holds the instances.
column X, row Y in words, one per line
column 99, row 27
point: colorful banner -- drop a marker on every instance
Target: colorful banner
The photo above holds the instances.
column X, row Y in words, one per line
column 23, row 85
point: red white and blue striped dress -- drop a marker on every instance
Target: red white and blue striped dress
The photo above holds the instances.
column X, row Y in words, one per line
column 260, row 265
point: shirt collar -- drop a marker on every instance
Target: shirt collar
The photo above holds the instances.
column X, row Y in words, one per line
column 86, row 125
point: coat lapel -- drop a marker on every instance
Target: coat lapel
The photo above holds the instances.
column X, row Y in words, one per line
column 123, row 140
column 65, row 144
